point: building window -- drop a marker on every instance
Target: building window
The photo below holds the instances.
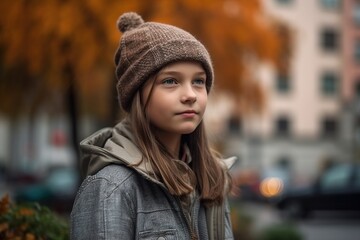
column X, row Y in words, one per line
column 356, row 13
column 283, row 162
column 282, row 84
column 330, row 39
column 331, row 4
column 329, row 126
column 234, row 125
column 357, row 50
column 329, row 83
column 282, row 126
column 284, row 2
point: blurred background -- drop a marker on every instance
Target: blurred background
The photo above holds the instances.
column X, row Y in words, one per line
column 286, row 103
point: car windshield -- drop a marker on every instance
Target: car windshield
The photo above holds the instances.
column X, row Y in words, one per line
column 337, row 177
column 62, row 181
column 357, row 178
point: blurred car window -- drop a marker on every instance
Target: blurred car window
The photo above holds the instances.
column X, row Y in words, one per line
column 62, row 181
column 357, row 178
column 336, row 178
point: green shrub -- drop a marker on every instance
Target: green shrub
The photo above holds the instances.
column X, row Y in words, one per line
column 280, row 232
column 30, row 222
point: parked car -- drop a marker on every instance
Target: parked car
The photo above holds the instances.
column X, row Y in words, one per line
column 57, row 190
column 337, row 189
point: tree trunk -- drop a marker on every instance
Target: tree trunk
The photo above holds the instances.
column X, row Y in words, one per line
column 72, row 107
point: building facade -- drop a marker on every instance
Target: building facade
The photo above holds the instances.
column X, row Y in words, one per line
column 351, row 76
column 305, row 123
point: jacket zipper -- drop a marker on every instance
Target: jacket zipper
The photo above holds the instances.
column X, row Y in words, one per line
column 194, row 210
column 189, row 225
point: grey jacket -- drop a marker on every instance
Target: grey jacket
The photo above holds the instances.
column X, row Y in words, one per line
column 120, row 200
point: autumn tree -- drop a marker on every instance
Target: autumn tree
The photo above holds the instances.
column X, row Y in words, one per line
column 56, row 53
column 61, row 52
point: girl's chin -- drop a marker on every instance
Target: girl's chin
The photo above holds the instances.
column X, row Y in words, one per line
column 188, row 130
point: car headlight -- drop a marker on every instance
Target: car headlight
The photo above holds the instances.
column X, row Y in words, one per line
column 271, row 187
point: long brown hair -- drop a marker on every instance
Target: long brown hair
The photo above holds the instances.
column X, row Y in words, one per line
column 207, row 173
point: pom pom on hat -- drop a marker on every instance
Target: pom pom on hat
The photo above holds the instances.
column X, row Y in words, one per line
column 129, row 21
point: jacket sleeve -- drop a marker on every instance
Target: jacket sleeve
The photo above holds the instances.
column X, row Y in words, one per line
column 102, row 210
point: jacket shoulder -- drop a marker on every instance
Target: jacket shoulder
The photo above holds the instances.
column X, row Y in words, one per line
column 109, row 178
column 115, row 173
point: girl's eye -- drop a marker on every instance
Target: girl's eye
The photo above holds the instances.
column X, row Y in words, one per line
column 169, row 81
column 199, row 81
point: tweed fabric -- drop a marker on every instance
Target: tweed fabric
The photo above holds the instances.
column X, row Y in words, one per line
column 146, row 47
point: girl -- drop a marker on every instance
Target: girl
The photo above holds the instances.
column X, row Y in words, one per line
column 153, row 176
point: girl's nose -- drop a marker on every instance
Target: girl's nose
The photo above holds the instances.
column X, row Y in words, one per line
column 188, row 95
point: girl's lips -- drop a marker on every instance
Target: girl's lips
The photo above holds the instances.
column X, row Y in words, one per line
column 189, row 113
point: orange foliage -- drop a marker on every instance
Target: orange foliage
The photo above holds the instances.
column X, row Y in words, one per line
column 42, row 39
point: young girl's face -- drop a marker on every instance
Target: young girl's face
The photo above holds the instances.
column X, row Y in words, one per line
column 177, row 101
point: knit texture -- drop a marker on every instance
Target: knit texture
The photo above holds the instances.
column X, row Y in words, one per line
column 146, row 47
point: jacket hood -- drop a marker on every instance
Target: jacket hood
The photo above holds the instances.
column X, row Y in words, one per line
column 112, row 146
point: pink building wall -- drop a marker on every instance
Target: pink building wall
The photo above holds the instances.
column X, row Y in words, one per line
column 351, row 68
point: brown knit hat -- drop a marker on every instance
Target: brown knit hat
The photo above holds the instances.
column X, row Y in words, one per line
column 145, row 48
